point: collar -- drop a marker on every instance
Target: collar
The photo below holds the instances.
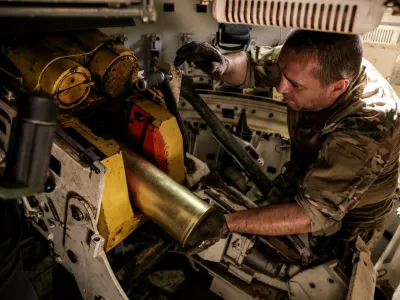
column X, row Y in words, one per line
column 351, row 95
column 353, row 92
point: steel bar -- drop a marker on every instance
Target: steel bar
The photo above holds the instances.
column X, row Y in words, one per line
column 223, row 135
column 70, row 12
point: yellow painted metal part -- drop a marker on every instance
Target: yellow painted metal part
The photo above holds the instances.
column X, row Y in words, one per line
column 117, row 219
column 66, row 65
column 71, row 88
column 116, row 71
column 156, row 95
column 44, row 67
column 166, row 123
column 107, row 147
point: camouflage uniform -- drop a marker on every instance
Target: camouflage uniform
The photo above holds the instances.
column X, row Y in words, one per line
column 347, row 154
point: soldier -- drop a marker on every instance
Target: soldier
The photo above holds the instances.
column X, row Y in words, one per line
column 343, row 121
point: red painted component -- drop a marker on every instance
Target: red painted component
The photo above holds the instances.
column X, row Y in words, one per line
column 154, row 145
column 139, row 120
column 147, row 137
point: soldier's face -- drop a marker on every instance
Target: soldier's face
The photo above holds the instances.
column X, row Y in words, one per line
column 299, row 86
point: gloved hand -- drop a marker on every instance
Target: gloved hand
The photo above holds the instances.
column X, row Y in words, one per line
column 211, row 230
column 204, row 56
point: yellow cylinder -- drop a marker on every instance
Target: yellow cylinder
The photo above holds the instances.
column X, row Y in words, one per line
column 67, row 81
column 45, row 65
column 30, row 55
column 114, row 71
column 170, row 205
column 113, row 66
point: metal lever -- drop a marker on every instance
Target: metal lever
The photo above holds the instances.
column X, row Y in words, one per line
column 152, row 80
column 226, row 139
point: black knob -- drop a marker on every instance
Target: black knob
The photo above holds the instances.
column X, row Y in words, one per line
column 50, row 185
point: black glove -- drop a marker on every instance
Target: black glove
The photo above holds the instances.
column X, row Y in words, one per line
column 204, row 56
column 211, row 230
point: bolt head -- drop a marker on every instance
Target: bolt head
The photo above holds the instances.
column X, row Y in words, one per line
column 76, row 213
column 50, row 185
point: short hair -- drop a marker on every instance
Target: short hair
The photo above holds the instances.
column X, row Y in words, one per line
column 339, row 55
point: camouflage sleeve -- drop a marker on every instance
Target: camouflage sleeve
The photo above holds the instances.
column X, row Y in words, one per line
column 348, row 163
column 262, row 69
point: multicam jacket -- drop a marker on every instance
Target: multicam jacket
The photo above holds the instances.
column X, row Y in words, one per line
column 348, row 154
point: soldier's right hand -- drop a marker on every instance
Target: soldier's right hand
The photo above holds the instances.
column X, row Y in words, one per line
column 211, row 230
column 204, row 56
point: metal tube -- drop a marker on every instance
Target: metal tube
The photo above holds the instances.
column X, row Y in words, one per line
column 29, row 149
column 70, row 12
column 28, row 155
column 261, row 262
column 153, row 79
column 223, row 135
column 170, row 205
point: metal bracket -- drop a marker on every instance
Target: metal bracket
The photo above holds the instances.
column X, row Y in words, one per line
column 185, row 38
column 86, row 154
column 251, row 45
column 155, row 54
column 238, row 247
column 96, row 245
column 80, row 224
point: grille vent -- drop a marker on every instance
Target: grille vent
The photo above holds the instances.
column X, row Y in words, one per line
column 307, row 15
column 7, row 115
column 384, row 35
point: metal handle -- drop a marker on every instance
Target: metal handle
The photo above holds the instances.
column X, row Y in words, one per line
column 29, row 151
column 227, row 140
column 152, row 80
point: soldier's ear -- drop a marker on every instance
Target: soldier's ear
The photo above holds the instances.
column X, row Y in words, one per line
column 338, row 88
